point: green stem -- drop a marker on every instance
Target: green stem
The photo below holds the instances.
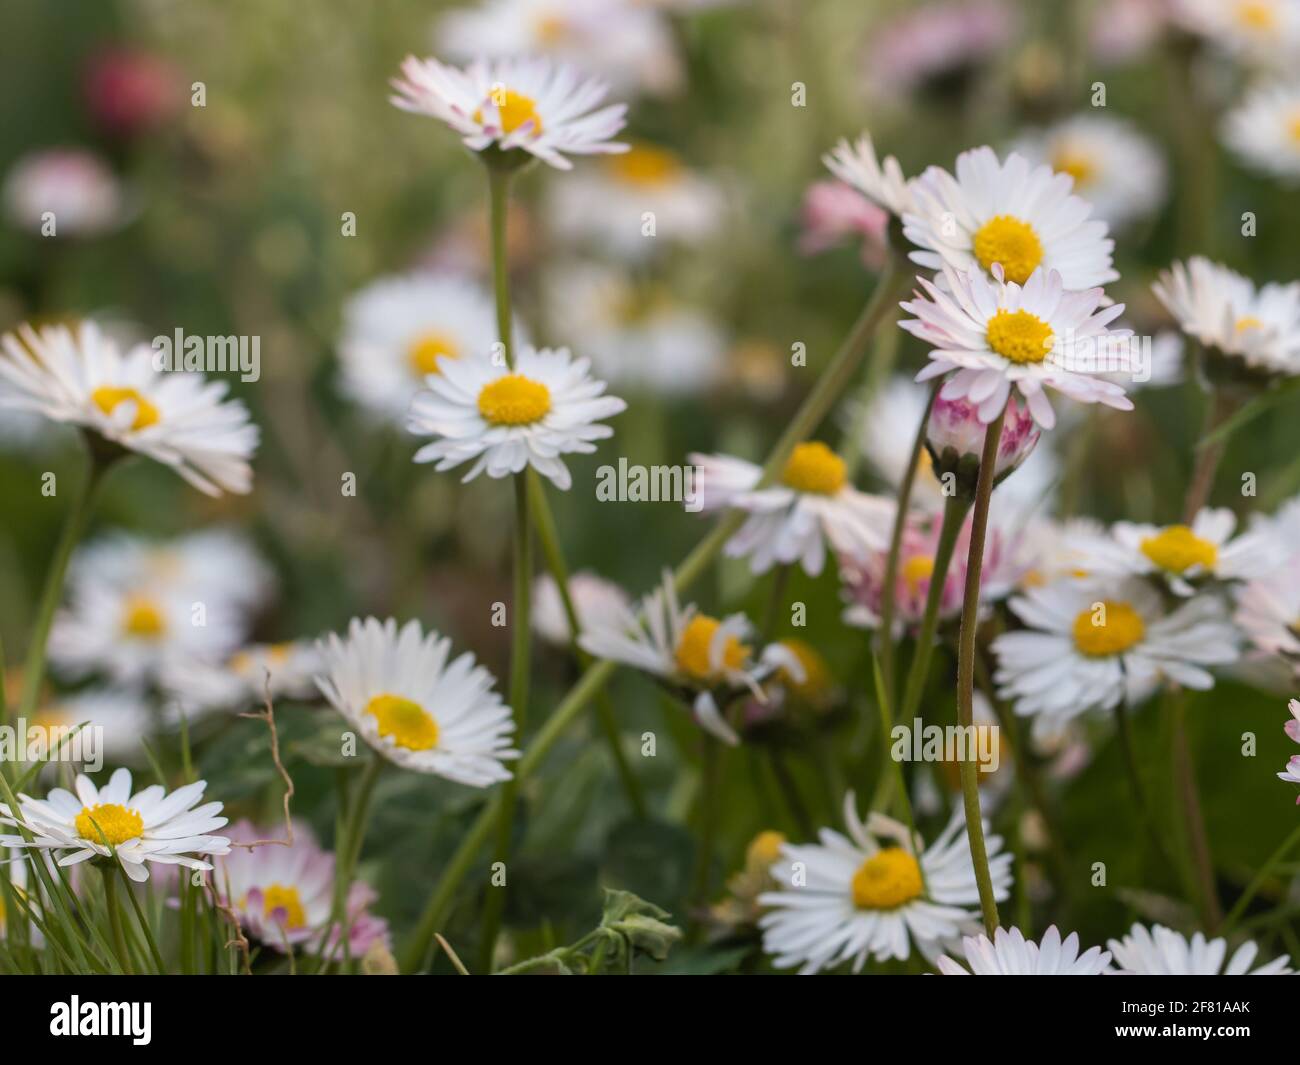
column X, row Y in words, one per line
column 498, row 211
column 709, row 797
column 1124, row 735
column 348, row 853
column 1198, row 843
column 966, row 671
column 115, row 916
column 809, row 415
column 1239, row 907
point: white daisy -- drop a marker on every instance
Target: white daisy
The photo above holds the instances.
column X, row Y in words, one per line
column 1265, row 32
column 397, row 330
column 149, row 826
column 1183, row 556
column 1226, row 312
column 596, row 601
column 547, row 406
column 1161, row 951
column 1268, row 612
column 532, row 105
column 1265, row 130
column 607, row 205
column 1093, row 646
column 1022, row 216
column 689, row 650
column 287, row 670
column 883, row 183
column 177, row 419
column 995, row 335
column 812, row 504
column 1116, row 168
column 1292, row 772
column 410, row 704
column 1010, row 954
column 283, row 895
column 849, row 898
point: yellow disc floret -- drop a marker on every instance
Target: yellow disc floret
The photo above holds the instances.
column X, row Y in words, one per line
column 1020, row 337
column 692, row 653
column 108, row 398
column 1076, row 164
column 1177, row 549
column 514, row 109
column 887, row 880
column 764, row 849
column 644, row 164
column 405, row 722
column 109, row 821
column 814, row 468
column 1011, row 242
column 514, row 400
column 1110, row 627
column 286, row 899
column 423, row 352
column 916, row 569
column 143, row 617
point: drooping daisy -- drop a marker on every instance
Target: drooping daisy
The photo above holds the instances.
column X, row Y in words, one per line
column 1012, row 213
column 142, row 828
column 178, row 419
column 1252, row 329
column 285, row 670
column 1091, row 645
column 283, row 896
column 689, row 650
column 1268, row 612
column 1264, row 32
column 1010, row 954
column 1292, row 772
column 596, row 601
column 1183, row 556
column 613, row 205
column 954, row 440
column 397, row 688
column 64, row 192
column 996, row 335
column 882, row 183
column 530, row 105
column 1114, row 167
column 811, row 505
column 396, row 331
column 628, row 44
column 1161, row 951
column 547, row 406
column 1265, row 130
column 850, row 898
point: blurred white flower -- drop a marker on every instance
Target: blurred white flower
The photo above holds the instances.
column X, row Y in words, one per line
column 596, row 601
column 1264, row 130
column 64, row 192
column 1161, row 951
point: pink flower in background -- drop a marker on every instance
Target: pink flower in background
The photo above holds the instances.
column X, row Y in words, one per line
column 129, row 91
column 956, row 433
column 73, row 187
column 1124, row 29
column 934, row 41
column 834, row 212
column 1292, row 771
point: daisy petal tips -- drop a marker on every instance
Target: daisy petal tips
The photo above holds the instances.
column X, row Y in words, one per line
column 533, row 105
column 993, row 335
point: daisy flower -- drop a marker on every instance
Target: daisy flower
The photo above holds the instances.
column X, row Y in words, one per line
column 1265, row 130
column 70, row 188
column 1117, row 169
column 1292, row 728
column 530, row 105
column 283, row 896
column 855, row 164
column 396, row 331
column 996, row 335
column 1181, row 555
column 1256, row 329
column 1268, row 612
column 1092, row 646
column 1265, row 32
column 849, row 898
column 415, row 708
column 547, row 406
column 178, row 419
column 1161, row 951
column 596, row 601
column 832, row 212
column 1010, row 954
column 1012, row 213
column 144, row 828
column 286, row 670
column 812, row 504
column 689, row 650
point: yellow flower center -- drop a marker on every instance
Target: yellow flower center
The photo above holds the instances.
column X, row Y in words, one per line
column 692, row 652
column 1256, row 15
column 407, row 723
column 1020, row 337
column 1011, row 242
column 1110, row 628
column 764, row 849
column 280, row 897
column 514, row 400
column 814, row 468
column 887, row 880
column 817, row 675
column 1249, row 321
column 423, row 352
column 515, row 109
column 107, row 399
column 144, row 618
column 1293, row 127
column 1074, row 163
column 916, row 569
column 115, row 823
column 551, row 29
column 1177, row 548
column 644, row 164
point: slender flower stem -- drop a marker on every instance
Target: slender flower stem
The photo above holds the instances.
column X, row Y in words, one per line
column 1207, row 456
column 115, row 915
column 954, row 515
column 498, row 211
column 814, row 408
column 1125, row 737
column 710, row 781
column 1239, row 907
column 966, row 671
column 347, row 852
column 1198, row 843
column 886, row 632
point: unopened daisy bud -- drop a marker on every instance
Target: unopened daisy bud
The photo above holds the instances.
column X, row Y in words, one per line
column 955, row 440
